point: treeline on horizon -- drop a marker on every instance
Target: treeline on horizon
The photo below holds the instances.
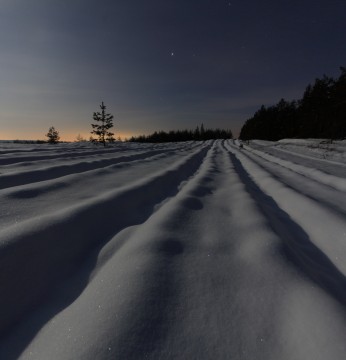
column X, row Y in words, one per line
column 184, row 135
column 321, row 113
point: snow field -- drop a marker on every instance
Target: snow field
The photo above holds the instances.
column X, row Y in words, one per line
column 207, row 255
column 63, row 253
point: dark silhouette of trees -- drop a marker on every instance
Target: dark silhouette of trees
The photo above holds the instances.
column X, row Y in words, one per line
column 338, row 94
column 272, row 123
column 315, row 109
column 184, row 135
column 321, row 113
column 101, row 128
column 53, row 135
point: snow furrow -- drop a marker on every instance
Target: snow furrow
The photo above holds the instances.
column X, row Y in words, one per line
column 24, row 202
column 34, row 157
column 303, row 153
column 310, row 187
column 54, row 171
column 312, row 173
column 41, row 252
column 304, row 212
column 48, row 152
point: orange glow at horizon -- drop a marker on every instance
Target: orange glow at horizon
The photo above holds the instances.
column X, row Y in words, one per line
column 86, row 136
column 63, row 136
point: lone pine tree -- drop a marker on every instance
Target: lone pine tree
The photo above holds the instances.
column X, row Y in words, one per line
column 53, row 135
column 104, row 123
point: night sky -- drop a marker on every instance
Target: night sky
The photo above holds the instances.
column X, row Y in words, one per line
column 159, row 64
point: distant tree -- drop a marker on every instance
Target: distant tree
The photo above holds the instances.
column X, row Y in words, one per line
column 202, row 132
column 338, row 113
column 183, row 135
column 80, row 138
column 53, row 135
column 196, row 134
column 104, row 123
column 315, row 109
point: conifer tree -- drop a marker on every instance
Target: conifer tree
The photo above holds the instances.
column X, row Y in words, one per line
column 202, row 132
column 53, row 135
column 104, row 123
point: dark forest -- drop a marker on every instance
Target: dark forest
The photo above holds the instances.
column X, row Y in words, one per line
column 321, row 113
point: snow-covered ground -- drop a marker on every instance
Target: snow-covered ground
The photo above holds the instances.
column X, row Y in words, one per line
column 196, row 250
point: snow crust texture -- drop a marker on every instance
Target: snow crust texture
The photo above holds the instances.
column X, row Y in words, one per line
column 195, row 250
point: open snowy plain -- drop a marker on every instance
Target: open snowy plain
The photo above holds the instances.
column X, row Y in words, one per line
column 193, row 251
